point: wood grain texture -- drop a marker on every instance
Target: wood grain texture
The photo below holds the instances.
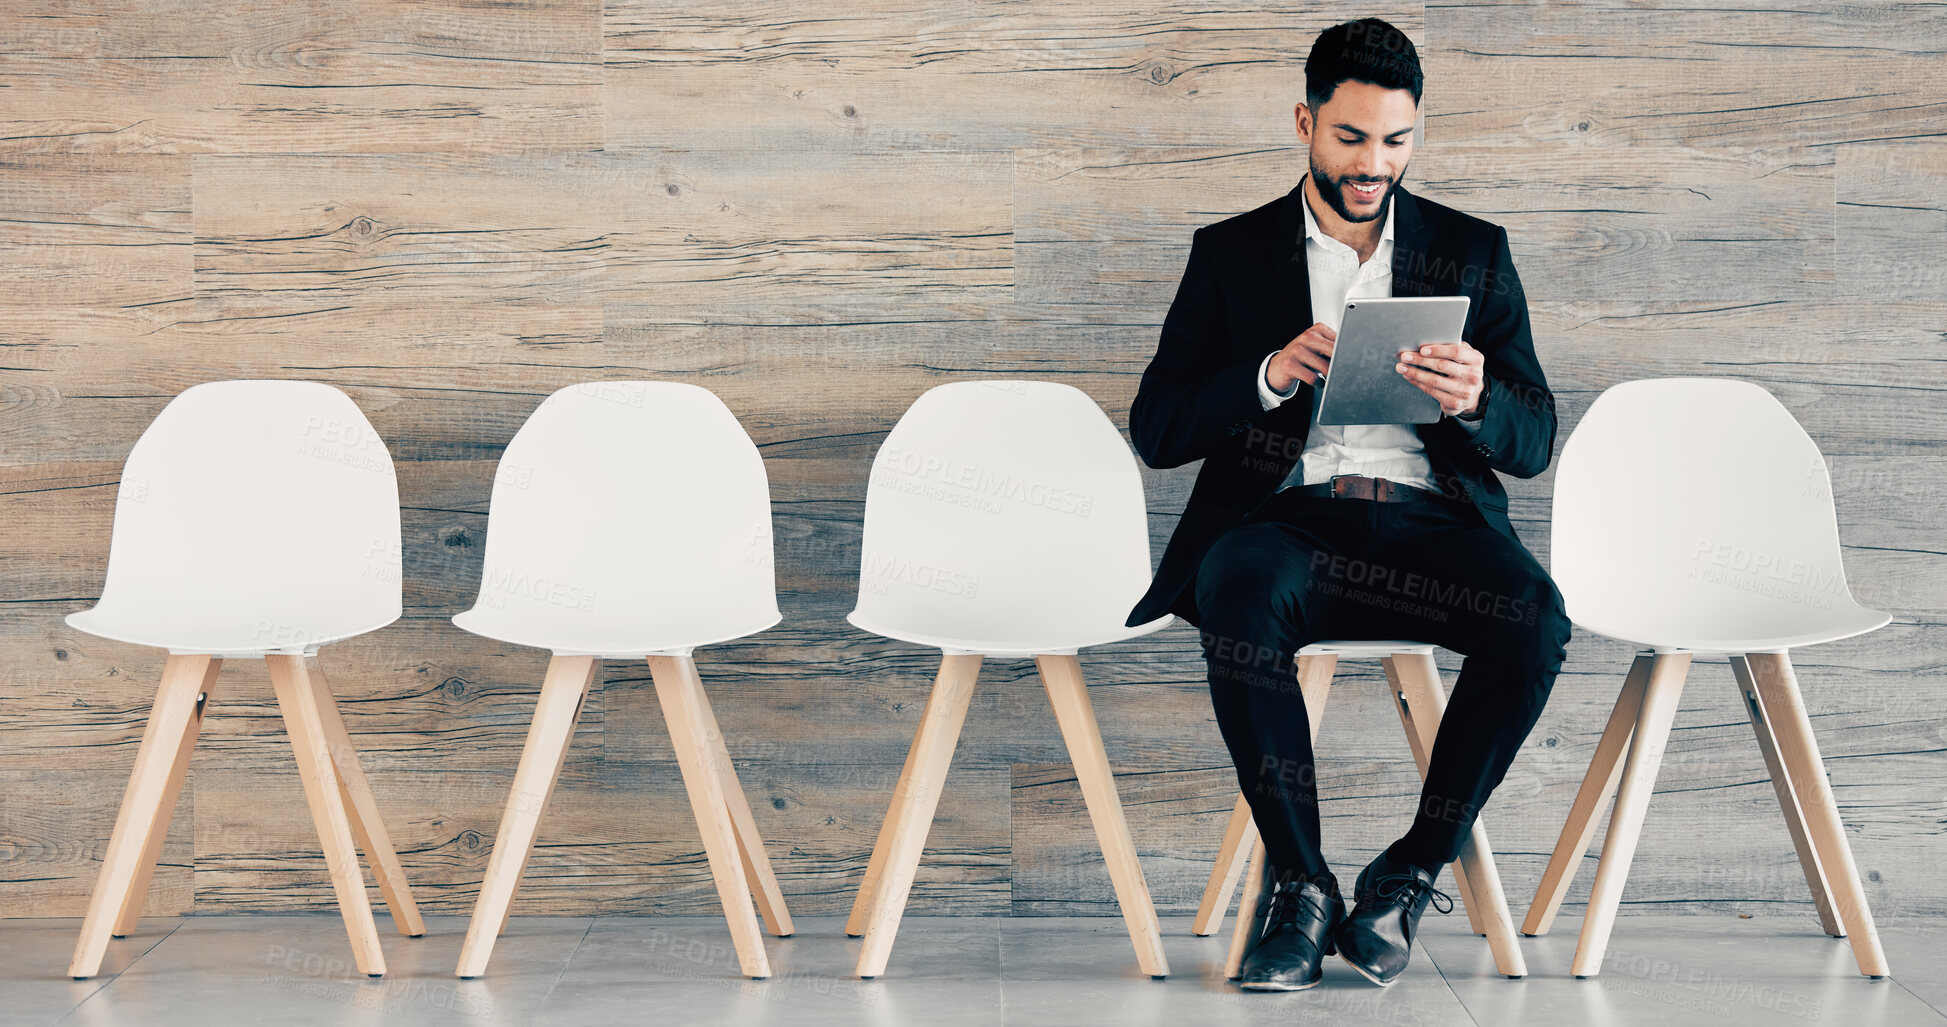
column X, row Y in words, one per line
column 1890, row 206
column 1625, row 75
column 912, row 75
column 1646, row 223
column 107, row 231
column 359, row 76
column 452, row 209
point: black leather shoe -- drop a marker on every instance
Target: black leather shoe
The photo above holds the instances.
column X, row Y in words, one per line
column 1297, row 937
column 1388, row 898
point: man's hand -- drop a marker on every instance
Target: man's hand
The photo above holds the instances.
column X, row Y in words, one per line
column 1303, row 359
column 1450, row 372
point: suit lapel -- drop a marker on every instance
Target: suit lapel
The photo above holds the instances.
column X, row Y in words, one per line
column 1409, row 245
column 1294, row 292
column 1410, row 265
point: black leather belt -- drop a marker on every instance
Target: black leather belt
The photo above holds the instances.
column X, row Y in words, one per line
column 1358, row 486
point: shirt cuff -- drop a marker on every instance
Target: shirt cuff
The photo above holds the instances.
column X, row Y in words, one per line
column 1265, row 395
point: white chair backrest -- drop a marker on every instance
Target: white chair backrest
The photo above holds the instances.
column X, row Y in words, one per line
column 255, row 515
column 1694, row 505
column 1004, row 510
column 629, row 512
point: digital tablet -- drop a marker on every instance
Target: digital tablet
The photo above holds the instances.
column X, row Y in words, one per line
column 1361, row 386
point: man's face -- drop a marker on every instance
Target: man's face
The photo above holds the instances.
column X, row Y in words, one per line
column 1362, row 135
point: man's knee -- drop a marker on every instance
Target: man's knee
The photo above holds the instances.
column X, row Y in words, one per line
column 1526, row 619
column 1248, row 589
column 1249, row 568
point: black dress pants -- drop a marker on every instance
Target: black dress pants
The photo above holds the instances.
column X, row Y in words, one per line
column 1303, row 569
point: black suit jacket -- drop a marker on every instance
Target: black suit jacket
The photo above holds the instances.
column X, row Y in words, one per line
column 1246, row 292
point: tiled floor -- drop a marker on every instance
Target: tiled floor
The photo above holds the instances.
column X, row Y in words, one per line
column 269, row 970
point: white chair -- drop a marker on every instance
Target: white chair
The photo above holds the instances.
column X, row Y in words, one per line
column 1414, row 681
column 630, row 520
column 1694, row 516
column 1002, row 518
column 255, row 520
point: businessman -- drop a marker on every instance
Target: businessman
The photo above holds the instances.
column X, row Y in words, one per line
column 1297, row 531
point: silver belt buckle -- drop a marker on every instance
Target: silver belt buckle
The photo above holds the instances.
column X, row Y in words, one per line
column 1336, row 493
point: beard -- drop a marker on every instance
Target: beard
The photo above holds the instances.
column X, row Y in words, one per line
column 1334, row 194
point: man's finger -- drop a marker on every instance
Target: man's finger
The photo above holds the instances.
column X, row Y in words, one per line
column 1432, row 384
column 1450, row 350
column 1441, row 365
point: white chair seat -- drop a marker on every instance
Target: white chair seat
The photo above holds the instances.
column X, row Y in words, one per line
column 1054, row 643
column 573, row 634
column 184, row 629
column 253, row 516
column 1364, row 648
column 1736, row 634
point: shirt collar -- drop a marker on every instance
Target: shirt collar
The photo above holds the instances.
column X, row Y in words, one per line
column 1314, row 233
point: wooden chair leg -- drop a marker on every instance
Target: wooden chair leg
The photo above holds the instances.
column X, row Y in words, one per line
column 1798, row 751
column 158, row 830
column 1808, row 857
column 910, row 816
column 1315, row 681
column 1419, row 679
column 1468, row 904
column 1660, row 696
column 676, row 691
column 1250, row 911
column 148, row 783
column 1788, row 798
column 1061, row 675
column 547, row 797
column 1598, row 786
column 1240, row 834
column 882, row 846
column 546, row 749
column 750, row 846
column 367, row 826
column 298, row 701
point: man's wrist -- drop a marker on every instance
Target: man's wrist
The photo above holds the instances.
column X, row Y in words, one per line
column 1480, row 406
column 1267, row 396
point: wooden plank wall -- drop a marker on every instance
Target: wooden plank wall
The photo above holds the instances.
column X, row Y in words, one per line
column 449, row 209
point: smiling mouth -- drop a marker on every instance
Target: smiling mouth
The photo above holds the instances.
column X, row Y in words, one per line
column 1366, row 194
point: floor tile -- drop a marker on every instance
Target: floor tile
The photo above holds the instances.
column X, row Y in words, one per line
column 1067, row 971
column 271, row 970
column 1719, row 969
column 265, row 971
column 34, row 985
column 684, row 968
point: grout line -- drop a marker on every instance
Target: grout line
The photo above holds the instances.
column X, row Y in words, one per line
column 109, row 979
column 1919, row 998
column 1471, row 1018
column 570, row 961
column 1000, row 960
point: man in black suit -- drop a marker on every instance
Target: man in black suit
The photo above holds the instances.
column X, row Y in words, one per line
column 1297, row 532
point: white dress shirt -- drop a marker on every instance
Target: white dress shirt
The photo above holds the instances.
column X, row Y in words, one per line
column 1391, row 451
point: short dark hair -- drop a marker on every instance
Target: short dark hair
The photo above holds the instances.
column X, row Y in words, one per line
column 1369, row 50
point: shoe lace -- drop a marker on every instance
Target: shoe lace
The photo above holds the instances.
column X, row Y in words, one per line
column 1406, row 888
column 1282, row 901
